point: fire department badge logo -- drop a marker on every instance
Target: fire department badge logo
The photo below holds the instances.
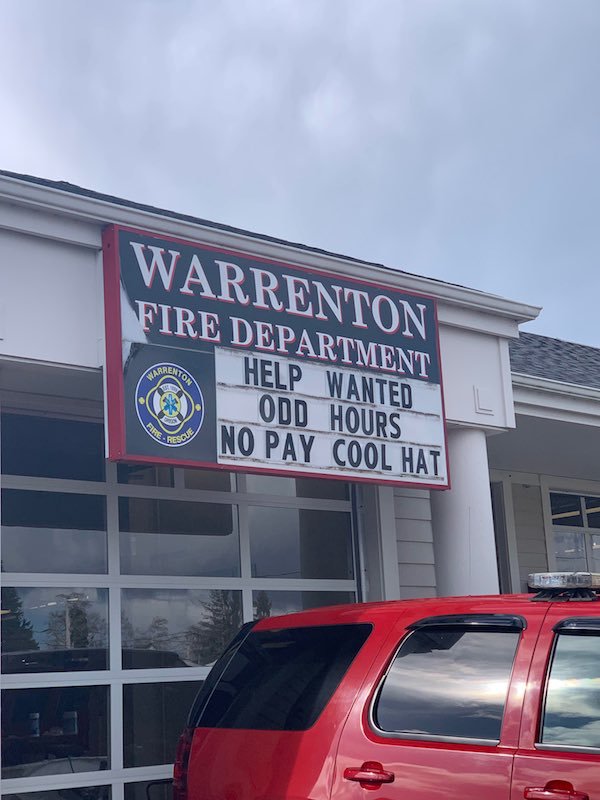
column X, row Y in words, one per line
column 169, row 404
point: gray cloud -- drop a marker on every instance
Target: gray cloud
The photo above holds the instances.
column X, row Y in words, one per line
column 454, row 138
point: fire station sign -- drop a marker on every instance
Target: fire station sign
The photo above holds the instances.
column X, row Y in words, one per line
column 221, row 359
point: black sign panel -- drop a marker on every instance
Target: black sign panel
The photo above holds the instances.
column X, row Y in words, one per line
column 226, row 359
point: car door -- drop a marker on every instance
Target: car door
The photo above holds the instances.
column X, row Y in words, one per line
column 439, row 714
column 559, row 751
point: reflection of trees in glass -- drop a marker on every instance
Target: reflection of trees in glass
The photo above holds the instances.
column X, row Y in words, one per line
column 17, row 632
column 155, row 636
column 262, row 605
column 207, row 639
column 74, row 625
column 127, row 631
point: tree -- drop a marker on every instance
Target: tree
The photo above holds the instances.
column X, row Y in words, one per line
column 17, row 631
column 157, row 634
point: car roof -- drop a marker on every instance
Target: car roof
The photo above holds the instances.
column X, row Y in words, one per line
column 390, row 610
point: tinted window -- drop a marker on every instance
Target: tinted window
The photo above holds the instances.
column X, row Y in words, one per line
column 448, row 682
column 572, row 708
column 282, row 680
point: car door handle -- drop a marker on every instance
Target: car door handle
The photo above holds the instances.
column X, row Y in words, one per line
column 554, row 790
column 370, row 776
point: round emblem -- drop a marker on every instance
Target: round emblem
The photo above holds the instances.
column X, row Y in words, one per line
column 169, row 404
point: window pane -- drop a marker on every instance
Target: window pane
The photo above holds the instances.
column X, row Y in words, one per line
column 210, row 480
column 144, row 475
column 283, row 679
column 300, row 543
column 267, row 603
column 177, row 627
column 154, row 714
column 169, row 537
column 566, row 509
column 54, row 730
column 160, row 789
column 448, row 682
column 72, row 793
column 53, row 532
column 569, row 549
column 572, row 710
column 592, row 507
column 54, row 630
column 297, row 487
column 52, row 448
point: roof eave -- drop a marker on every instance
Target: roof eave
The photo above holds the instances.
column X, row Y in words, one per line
column 101, row 211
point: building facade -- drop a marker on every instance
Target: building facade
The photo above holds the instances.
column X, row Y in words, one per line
column 122, row 580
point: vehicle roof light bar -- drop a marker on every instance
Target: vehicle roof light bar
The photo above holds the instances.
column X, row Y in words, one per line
column 565, row 585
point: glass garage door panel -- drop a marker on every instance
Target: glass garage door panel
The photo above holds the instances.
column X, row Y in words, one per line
column 50, row 629
column 173, row 537
column 177, row 627
column 300, row 543
column 75, row 793
column 54, row 730
column 53, row 532
column 71, row 449
column 269, row 603
column 154, row 715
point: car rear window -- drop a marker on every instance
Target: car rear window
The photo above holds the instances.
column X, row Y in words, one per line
column 282, row 679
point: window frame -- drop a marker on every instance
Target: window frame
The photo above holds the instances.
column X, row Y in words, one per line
column 583, row 529
column 560, row 630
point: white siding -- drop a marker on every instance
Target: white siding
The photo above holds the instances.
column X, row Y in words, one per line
column 529, row 524
column 414, row 536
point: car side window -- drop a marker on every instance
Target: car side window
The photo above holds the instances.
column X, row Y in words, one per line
column 448, row 682
column 571, row 714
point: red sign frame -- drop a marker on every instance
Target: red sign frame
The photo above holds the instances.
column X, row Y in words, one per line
column 115, row 392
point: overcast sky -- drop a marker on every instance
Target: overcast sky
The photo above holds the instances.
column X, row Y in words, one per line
column 458, row 139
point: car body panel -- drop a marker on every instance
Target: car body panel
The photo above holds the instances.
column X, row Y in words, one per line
column 311, row 764
column 536, row 766
column 424, row 769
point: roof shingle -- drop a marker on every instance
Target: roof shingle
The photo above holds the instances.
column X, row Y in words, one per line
column 555, row 359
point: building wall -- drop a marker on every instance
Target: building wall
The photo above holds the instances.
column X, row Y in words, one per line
column 414, row 537
column 529, row 524
column 51, row 301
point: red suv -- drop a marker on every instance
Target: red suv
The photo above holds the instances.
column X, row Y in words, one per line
column 461, row 698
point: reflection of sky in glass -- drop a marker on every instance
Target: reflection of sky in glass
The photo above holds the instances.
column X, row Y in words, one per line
column 572, row 712
column 448, row 683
